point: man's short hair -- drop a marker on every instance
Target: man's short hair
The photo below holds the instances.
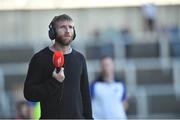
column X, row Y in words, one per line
column 62, row 17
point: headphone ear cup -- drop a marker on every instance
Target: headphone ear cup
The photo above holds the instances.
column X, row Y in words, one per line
column 74, row 36
column 51, row 32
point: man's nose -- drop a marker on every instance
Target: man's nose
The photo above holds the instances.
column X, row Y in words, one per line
column 67, row 29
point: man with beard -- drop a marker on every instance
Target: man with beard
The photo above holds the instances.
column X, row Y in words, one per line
column 62, row 95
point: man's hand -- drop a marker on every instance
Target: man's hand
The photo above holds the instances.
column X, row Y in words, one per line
column 59, row 76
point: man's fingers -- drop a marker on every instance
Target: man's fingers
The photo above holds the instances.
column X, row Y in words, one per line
column 59, row 76
column 62, row 69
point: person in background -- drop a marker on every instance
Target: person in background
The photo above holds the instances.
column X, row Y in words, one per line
column 109, row 99
column 149, row 14
column 23, row 110
column 36, row 111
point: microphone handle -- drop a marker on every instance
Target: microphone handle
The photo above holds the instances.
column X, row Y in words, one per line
column 58, row 69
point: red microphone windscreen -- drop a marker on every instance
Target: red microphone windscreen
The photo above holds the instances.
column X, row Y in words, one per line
column 58, row 59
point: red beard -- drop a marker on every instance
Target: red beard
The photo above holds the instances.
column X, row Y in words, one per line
column 63, row 41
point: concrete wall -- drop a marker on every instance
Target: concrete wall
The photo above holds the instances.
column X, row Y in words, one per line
column 24, row 27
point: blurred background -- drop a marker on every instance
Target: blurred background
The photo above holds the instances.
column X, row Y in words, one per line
column 143, row 37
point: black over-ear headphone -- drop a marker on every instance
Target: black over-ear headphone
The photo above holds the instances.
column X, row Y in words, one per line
column 52, row 32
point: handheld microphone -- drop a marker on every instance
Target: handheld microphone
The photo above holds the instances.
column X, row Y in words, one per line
column 58, row 60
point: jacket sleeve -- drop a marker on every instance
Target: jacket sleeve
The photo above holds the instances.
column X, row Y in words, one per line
column 86, row 92
column 35, row 89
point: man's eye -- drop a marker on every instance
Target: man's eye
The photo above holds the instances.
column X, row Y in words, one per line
column 62, row 26
column 70, row 26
